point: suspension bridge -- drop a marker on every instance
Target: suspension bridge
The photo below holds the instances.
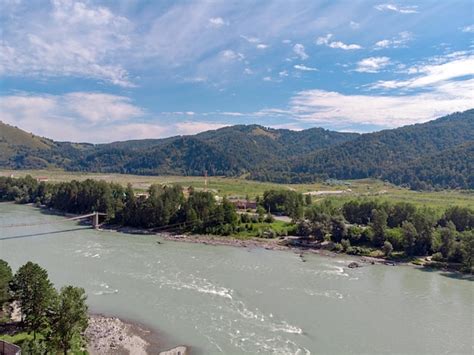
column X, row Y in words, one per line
column 94, row 216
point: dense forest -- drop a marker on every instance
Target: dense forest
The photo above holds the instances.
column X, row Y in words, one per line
column 359, row 226
column 436, row 154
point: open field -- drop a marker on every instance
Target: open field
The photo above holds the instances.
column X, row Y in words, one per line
column 240, row 187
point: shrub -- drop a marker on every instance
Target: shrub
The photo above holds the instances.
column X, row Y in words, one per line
column 387, row 248
column 269, row 218
column 346, row 244
column 437, row 257
column 354, row 234
column 395, row 237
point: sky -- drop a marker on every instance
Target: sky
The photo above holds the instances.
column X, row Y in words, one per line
column 102, row 71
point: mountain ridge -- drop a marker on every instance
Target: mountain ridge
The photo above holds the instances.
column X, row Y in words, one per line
column 281, row 155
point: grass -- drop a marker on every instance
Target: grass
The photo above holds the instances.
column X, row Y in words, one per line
column 17, row 339
column 21, row 337
column 223, row 186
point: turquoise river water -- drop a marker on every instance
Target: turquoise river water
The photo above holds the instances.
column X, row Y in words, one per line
column 228, row 300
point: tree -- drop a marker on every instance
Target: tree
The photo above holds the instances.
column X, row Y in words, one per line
column 69, row 318
column 338, row 229
column 387, row 248
column 320, row 223
column 34, row 292
column 467, row 245
column 399, row 212
column 409, row 237
column 5, row 278
column 34, row 347
column 130, row 206
column 447, row 236
column 462, row 217
column 424, row 220
column 378, row 224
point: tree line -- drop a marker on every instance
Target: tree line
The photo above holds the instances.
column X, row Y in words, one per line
column 398, row 228
column 357, row 227
column 56, row 319
column 161, row 207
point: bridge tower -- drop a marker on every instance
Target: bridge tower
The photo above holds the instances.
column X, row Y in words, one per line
column 95, row 220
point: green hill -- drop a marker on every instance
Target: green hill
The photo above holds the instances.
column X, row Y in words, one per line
column 382, row 154
column 436, row 153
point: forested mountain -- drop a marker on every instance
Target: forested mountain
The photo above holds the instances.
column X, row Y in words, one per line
column 387, row 154
column 436, row 153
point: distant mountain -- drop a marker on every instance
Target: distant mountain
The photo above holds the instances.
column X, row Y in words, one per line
column 436, row 153
column 389, row 153
column 230, row 151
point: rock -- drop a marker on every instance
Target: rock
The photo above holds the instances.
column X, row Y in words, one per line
column 353, row 265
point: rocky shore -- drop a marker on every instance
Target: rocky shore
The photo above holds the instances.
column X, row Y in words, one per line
column 111, row 335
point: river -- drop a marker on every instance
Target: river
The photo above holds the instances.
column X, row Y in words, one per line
column 229, row 300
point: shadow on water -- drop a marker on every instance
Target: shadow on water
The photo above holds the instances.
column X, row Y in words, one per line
column 43, row 233
column 451, row 274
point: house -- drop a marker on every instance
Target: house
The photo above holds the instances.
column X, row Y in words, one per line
column 243, row 204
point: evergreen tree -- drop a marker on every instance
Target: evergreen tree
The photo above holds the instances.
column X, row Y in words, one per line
column 5, row 278
column 69, row 318
column 34, row 292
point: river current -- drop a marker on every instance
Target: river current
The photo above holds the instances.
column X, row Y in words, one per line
column 229, row 300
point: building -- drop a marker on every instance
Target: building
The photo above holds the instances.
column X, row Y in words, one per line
column 243, row 204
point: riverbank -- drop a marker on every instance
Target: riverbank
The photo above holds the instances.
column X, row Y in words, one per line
column 111, row 335
column 281, row 244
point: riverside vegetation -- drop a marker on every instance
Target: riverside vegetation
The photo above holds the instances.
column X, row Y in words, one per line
column 50, row 321
column 360, row 226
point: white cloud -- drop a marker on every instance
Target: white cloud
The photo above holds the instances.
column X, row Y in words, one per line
column 267, row 78
column 235, row 114
column 468, row 29
column 354, row 25
column 253, row 40
column 193, row 127
column 304, row 67
column 426, row 75
column 231, row 55
column 341, row 45
column 372, row 64
column 99, row 108
column 337, row 110
column 77, row 116
column 75, row 39
column 248, row 71
column 283, row 73
column 87, row 117
column 399, row 41
column 256, row 41
column 326, row 40
column 396, row 8
column 217, row 22
column 299, row 50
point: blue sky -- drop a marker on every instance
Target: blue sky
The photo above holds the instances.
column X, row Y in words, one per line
column 100, row 71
